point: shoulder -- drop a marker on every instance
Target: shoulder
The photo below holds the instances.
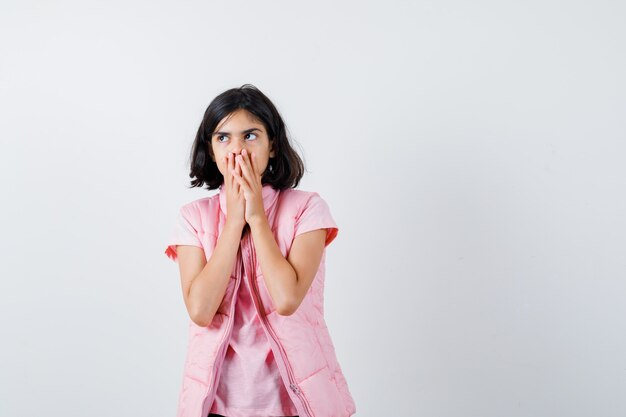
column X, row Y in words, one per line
column 299, row 200
column 311, row 212
column 299, row 197
column 199, row 211
column 201, row 203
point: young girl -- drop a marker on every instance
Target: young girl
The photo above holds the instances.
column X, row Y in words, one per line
column 252, row 267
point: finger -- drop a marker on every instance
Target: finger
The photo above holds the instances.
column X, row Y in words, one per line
column 237, row 175
column 231, row 166
column 235, row 185
column 228, row 177
column 232, row 171
column 238, row 164
column 242, row 181
column 250, row 164
column 236, row 172
column 243, row 163
column 248, row 160
column 227, row 165
column 254, row 166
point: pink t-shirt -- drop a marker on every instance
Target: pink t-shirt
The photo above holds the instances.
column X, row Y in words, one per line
column 250, row 384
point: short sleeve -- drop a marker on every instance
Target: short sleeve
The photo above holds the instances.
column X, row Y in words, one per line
column 183, row 233
column 316, row 215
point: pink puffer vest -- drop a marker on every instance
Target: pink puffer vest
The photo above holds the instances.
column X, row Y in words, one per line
column 301, row 342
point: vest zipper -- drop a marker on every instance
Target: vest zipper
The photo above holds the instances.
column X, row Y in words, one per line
column 292, row 385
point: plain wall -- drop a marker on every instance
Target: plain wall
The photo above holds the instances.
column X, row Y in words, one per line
column 472, row 154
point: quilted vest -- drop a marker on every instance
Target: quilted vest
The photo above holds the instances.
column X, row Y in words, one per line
column 301, row 342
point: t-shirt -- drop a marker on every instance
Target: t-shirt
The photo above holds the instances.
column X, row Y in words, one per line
column 250, row 384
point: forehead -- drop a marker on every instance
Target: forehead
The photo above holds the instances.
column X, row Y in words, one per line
column 237, row 119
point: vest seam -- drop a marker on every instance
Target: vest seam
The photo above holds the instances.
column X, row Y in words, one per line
column 314, row 373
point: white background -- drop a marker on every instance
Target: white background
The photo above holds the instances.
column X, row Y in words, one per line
column 472, row 154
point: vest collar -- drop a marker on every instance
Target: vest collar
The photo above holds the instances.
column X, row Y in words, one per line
column 270, row 196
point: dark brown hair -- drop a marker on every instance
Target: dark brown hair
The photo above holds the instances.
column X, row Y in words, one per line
column 287, row 168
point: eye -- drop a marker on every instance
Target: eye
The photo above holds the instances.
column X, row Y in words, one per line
column 220, row 136
column 252, row 135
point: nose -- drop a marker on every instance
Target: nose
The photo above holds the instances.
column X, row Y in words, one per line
column 237, row 146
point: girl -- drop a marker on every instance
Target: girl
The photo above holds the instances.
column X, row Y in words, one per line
column 252, row 267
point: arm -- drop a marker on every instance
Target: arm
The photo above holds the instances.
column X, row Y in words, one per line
column 287, row 280
column 204, row 283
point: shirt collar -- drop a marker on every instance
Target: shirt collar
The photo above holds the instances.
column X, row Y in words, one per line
column 269, row 197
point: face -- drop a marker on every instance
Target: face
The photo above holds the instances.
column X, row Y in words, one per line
column 238, row 131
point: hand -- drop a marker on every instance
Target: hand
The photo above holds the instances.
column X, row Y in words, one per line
column 249, row 181
column 235, row 201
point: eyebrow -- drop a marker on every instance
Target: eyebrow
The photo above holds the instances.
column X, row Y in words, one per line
column 242, row 132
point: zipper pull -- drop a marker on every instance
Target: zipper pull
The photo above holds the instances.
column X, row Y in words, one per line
column 294, row 388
